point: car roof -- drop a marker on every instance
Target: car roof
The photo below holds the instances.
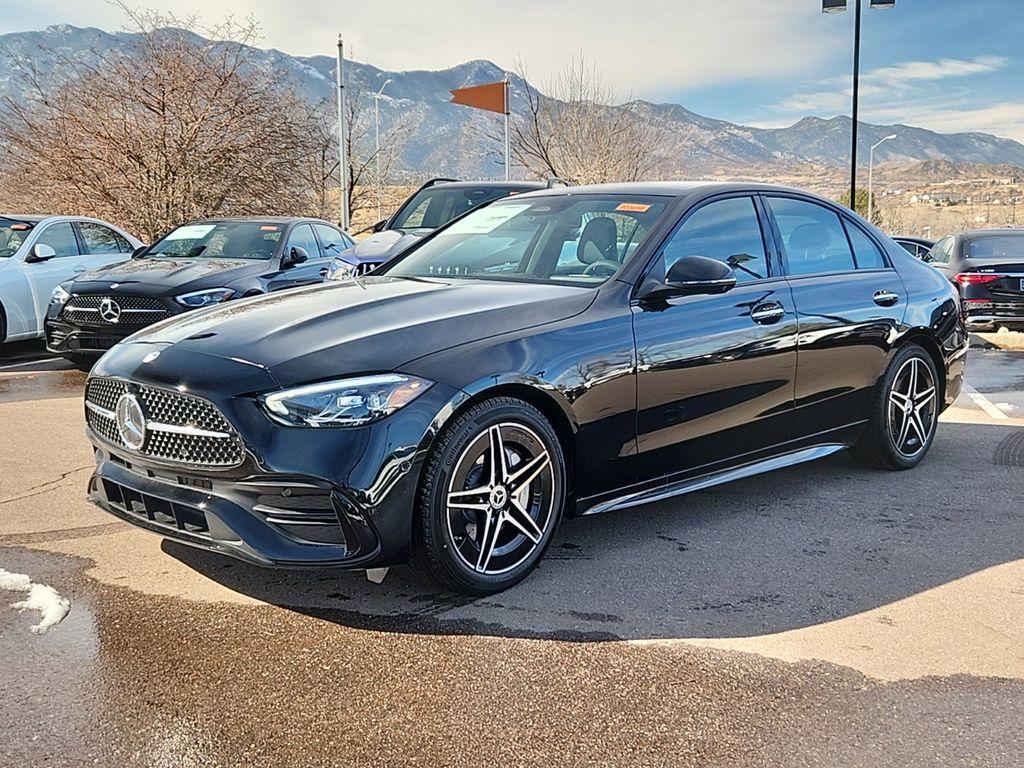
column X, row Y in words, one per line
column 28, row 219
column 490, row 184
column 971, row 233
column 669, row 188
column 258, row 220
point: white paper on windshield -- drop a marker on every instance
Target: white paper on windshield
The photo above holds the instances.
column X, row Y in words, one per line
column 486, row 220
column 190, row 232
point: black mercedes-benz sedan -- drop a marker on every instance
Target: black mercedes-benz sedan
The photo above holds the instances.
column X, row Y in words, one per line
column 988, row 267
column 195, row 265
column 557, row 353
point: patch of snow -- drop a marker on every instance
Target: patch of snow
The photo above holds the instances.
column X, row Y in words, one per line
column 45, row 599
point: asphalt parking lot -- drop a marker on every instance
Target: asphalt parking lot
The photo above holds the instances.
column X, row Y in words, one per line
column 821, row 615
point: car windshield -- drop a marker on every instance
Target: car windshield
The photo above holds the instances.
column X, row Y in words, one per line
column 996, row 247
column 223, row 240
column 435, row 206
column 12, row 235
column 574, row 239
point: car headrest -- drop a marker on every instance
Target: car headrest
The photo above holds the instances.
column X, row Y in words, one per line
column 597, row 241
column 809, row 237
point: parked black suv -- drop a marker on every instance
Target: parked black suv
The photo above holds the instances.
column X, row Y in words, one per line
column 431, row 206
column 198, row 264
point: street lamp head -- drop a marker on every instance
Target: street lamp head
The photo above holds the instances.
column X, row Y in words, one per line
column 833, row 6
column 883, row 4
column 890, row 136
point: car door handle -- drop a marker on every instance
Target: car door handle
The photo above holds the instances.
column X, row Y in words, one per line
column 323, row 272
column 767, row 314
column 885, row 298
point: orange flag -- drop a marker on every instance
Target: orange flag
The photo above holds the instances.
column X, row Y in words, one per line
column 490, row 96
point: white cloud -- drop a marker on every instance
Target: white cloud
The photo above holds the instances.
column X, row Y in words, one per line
column 648, row 50
column 833, row 95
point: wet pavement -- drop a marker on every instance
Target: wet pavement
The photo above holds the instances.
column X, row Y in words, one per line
column 822, row 615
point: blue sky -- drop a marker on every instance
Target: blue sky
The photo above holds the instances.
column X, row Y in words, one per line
column 948, row 65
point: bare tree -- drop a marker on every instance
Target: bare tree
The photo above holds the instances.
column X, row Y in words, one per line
column 581, row 132
column 176, row 128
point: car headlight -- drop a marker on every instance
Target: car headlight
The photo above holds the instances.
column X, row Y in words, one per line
column 344, row 403
column 205, row 298
column 59, row 296
column 341, row 270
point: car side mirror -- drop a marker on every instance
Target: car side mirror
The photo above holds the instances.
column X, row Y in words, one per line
column 137, row 253
column 380, row 226
column 691, row 276
column 297, row 255
column 41, row 252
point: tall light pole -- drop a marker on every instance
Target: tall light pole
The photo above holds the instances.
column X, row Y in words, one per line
column 871, row 175
column 376, row 134
column 838, row 6
column 342, row 155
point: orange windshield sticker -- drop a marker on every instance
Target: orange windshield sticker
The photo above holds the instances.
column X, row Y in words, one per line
column 269, row 229
column 633, row 207
column 20, row 227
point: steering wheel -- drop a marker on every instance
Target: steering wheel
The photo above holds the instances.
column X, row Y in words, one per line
column 594, row 270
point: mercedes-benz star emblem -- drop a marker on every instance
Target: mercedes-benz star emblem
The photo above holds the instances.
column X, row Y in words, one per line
column 131, row 421
column 110, row 310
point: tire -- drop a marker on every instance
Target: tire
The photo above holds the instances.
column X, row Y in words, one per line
column 472, row 531
column 894, row 439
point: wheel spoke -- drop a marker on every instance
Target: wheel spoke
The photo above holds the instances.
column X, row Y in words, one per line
column 492, row 527
column 898, row 399
column 915, row 420
column 474, row 498
column 526, row 474
column 521, row 519
column 499, row 469
column 904, row 431
column 923, row 398
column 912, row 385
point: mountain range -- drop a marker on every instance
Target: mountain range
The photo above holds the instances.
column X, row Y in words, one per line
column 447, row 139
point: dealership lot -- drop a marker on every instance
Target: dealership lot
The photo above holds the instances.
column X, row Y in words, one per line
column 821, row 613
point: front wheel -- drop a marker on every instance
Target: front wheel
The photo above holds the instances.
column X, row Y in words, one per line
column 904, row 412
column 490, row 499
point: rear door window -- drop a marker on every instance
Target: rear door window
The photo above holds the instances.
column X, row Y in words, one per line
column 812, row 236
column 302, row 237
column 100, row 239
column 332, row 242
column 865, row 252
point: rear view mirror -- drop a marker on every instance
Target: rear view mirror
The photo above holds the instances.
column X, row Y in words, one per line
column 41, row 252
column 693, row 275
column 297, row 255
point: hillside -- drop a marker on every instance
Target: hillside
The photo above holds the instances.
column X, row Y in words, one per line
column 452, row 140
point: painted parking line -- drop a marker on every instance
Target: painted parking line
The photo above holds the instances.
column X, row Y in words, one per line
column 984, row 403
column 29, row 362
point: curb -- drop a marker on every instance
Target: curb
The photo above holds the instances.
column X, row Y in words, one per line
column 1012, row 341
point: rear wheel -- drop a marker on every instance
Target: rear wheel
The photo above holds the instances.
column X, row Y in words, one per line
column 491, row 498
column 904, row 412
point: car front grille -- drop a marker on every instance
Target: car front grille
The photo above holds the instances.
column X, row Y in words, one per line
column 362, row 269
column 132, row 311
column 180, row 428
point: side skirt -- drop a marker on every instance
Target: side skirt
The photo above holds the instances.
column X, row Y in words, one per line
column 716, row 478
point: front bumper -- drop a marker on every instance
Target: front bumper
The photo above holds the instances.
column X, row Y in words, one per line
column 301, row 498
column 65, row 339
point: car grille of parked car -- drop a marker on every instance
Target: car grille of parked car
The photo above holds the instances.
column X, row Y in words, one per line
column 130, row 310
column 362, row 269
column 180, row 429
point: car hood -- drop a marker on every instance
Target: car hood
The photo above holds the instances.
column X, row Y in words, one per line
column 378, row 324
column 383, row 245
column 165, row 276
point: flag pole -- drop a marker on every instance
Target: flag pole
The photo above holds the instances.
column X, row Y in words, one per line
column 508, row 108
column 342, row 159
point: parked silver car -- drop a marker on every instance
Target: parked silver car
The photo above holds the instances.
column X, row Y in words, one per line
column 38, row 253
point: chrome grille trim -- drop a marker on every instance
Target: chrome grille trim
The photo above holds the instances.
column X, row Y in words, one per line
column 181, row 429
column 135, row 310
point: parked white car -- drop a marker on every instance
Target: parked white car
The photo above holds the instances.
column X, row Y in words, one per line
column 38, row 253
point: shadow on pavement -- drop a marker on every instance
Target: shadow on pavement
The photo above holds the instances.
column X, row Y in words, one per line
column 772, row 553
